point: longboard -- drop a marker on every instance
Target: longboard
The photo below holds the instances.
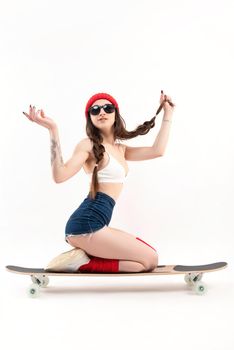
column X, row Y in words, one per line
column 193, row 275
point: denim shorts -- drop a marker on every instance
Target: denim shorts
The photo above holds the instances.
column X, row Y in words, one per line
column 90, row 216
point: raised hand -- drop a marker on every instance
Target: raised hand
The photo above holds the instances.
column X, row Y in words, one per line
column 165, row 103
column 40, row 118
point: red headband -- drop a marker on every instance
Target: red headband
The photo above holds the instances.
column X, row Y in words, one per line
column 99, row 96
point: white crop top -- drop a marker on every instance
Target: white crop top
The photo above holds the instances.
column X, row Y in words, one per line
column 113, row 171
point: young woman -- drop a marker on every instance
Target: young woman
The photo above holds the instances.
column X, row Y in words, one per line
column 99, row 247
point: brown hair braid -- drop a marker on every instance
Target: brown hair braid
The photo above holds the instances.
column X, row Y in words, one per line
column 120, row 133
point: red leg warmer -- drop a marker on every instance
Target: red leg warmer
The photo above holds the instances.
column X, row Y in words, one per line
column 97, row 264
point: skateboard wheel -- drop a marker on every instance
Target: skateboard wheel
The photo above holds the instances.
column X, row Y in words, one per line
column 33, row 290
column 200, row 288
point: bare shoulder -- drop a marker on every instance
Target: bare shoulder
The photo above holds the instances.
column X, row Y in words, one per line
column 85, row 144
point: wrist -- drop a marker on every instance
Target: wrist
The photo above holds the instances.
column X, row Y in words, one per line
column 167, row 114
column 167, row 117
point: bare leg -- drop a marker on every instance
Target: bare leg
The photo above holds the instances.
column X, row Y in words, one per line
column 130, row 266
column 110, row 243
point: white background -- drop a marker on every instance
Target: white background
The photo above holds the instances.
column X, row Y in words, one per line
column 55, row 55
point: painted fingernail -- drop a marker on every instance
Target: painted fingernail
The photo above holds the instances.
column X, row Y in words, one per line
column 161, row 91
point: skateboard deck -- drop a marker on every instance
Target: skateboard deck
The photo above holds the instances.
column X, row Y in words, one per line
column 193, row 274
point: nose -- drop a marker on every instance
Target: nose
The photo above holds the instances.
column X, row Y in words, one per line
column 102, row 111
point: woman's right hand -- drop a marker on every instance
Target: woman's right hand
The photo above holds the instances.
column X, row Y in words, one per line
column 40, row 118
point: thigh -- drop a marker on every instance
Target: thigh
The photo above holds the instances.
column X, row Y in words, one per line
column 130, row 235
column 133, row 237
column 112, row 243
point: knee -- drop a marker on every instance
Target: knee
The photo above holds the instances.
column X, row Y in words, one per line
column 151, row 262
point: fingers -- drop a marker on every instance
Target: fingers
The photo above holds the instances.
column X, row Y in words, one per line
column 28, row 116
column 164, row 99
column 167, row 98
column 33, row 115
column 37, row 114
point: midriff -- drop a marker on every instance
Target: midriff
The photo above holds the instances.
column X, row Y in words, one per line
column 111, row 189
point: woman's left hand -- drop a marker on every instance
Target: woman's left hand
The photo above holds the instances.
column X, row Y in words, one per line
column 168, row 105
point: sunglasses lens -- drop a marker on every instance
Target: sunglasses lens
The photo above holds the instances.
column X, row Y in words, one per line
column 95, row 110
column 109, row 108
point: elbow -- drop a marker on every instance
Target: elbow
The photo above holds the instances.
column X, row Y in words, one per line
column 159, row 155
column 57, row 181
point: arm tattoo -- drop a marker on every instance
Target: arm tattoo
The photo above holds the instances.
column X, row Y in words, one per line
column 53, row 152
column 54, row 147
